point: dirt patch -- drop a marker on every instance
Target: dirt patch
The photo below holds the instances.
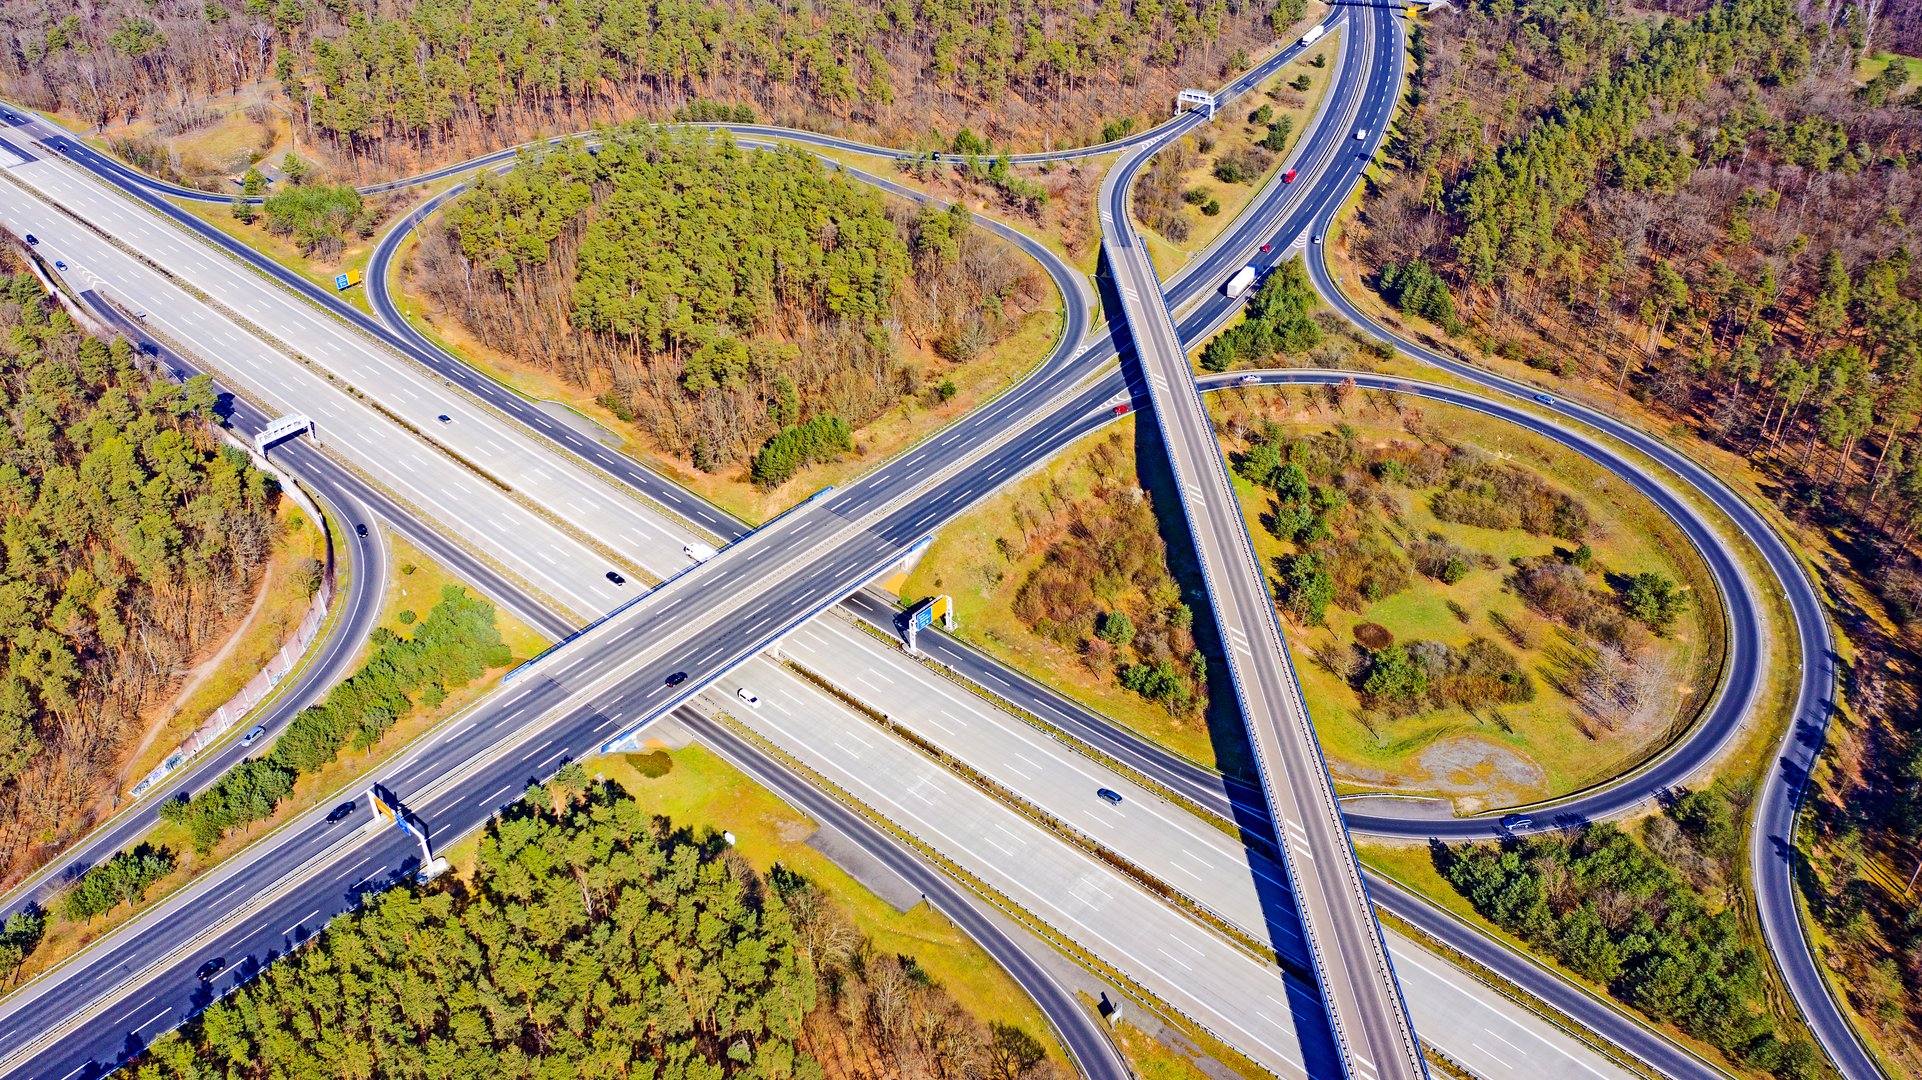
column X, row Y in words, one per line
column 1472, row 771
column 1481, row 772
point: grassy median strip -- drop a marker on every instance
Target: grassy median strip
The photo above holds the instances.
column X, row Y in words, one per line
column 1190, row 1027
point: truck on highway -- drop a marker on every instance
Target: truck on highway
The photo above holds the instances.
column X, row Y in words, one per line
column 1314, row 34
column 1239, row 284
column 697, row 551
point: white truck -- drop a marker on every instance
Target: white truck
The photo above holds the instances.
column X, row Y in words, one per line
column 1314, row 34
column 697, row 551
column 1240, row 283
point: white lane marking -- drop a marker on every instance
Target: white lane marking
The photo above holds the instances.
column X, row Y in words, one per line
column 155, row 1019
column 1497, row 1058
column 144, row 1002
column 299, row 921
column 1172, row 957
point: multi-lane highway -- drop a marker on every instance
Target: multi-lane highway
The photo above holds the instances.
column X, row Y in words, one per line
column 1348, row 956
column 1771, row 855
column 362, row 578
column 1267, row 218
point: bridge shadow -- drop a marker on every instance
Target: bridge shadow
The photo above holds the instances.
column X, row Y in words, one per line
column 1226, row 728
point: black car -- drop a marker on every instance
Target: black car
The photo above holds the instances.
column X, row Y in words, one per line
column 211, row 968
column 360, row 530
column 1109, row 796
column 445, row 419
column 33, row 240
column 342, row 812
column 677, row 678
column 616, row 578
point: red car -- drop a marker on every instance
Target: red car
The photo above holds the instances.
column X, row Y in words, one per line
column 1121, row 410
column 1267, row 247
column 1288, row 177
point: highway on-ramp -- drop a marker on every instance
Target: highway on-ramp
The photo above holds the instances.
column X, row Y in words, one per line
column 1203, row 278
column 1773, row 862
column 1349, row 957
column 362, row 581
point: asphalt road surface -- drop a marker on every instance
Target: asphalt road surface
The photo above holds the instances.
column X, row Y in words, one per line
column 1283, row 236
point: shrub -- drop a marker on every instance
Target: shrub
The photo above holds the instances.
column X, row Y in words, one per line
column 1276, row 140
column 1417, row 289
column 1654, row 600
column 1307, row 587
column 1117, row 628
column 317, row 217
column 456, row 642
column 654, row 764
column 125, row 876
column 823, row 438
column 1393, row 678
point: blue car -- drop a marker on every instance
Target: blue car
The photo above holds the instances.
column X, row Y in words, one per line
column 1544, row 399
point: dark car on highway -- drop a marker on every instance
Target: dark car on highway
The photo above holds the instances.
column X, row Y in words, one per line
column 615, row 577
column 211, row 968
column 677, row 678
column 342, row 812
column 360, row 530
column 1109, row 796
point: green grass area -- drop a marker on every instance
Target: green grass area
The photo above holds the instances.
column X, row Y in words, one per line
column 983, row 558
column 1233, row 133
column 1874, row 65
column 706, row 794
column 414, row 584
column 1149, row 1059
column 63, row 939
column 280, row 608
column 1525, row 752
column 1516, row 753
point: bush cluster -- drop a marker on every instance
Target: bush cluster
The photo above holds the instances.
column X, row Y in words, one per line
column 824, row 438
column 1417, row 289
column 1618, row 915
column 456, row 642
column 1277, row 322
column 1418, row 675
column 125, row 876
